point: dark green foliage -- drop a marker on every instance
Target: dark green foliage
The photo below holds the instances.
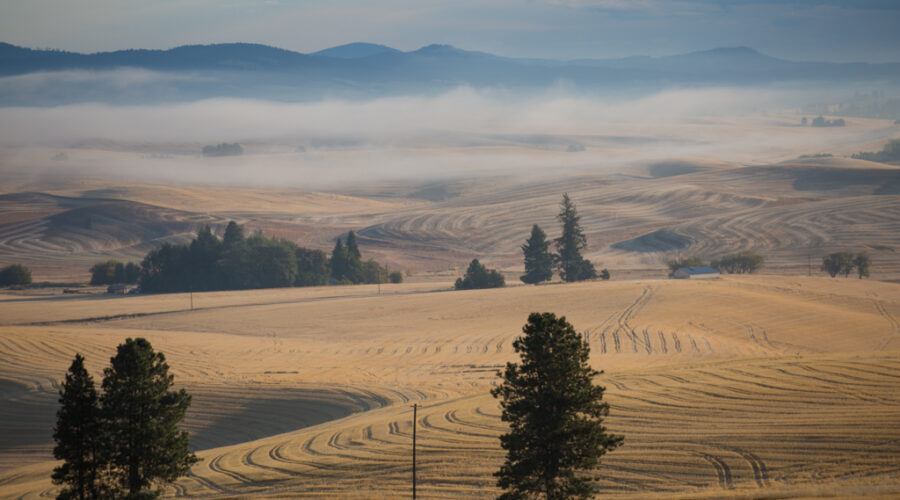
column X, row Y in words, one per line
column 339, row 262
column 395, row 277
column 347, row 266
column 167, row 269
column 15, row 274
column 234, row 256
column 676, row 264
column 555, row 413
column 141, row 415
column 236, row 263
column 478, row 276
column 352, row 247
column 889, row 154
column 604, row 274
column 112, row 272
column 739, row 263
column 356, row 271
column 224, row 149
column 205, row 254
column 312, row 267
column 79, row 436
column 270, row 263
column 585, row 271
column 233, row 238
column 373, row 272
column 104, row 273
column 569, row 262
column 538, row 260
column 861, row 262
column 838, row 263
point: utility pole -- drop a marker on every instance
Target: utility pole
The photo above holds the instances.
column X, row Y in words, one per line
column 415, row 407
column 191, row 293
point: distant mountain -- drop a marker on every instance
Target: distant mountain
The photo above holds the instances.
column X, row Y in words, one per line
column 355, row 51
column 369, row 70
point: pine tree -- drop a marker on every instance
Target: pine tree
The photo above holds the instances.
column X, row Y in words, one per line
column 555, row 414
column 141, row 417
column 571, row 265
column 339, row 261
column 352, row 247
column 78, row 436
column 538, row 261
column 355, row 268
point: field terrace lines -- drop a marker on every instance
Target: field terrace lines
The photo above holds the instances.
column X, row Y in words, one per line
column 743, row 384
column 633, row 220
column 741, row 426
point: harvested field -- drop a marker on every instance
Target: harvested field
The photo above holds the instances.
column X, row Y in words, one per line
column 743, row 387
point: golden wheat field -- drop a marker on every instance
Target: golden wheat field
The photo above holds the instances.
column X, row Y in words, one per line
column 779, row 385
column 743, row 387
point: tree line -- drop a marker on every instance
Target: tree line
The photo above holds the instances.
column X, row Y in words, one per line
column 124, row 441
column 237, row 262
column 845, row 263
column 746, row 262
column 114, row 272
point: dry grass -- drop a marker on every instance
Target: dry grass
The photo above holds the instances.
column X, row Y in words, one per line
column 754, row 387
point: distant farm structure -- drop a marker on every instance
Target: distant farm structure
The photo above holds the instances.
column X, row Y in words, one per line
column 696, row 273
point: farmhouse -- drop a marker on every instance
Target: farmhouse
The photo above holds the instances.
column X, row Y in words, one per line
column 696, row 273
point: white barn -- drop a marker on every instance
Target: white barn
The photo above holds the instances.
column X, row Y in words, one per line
column 696, row 273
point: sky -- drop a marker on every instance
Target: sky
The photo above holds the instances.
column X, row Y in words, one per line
column 821, row 30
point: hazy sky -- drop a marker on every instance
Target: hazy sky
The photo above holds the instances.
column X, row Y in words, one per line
column 832, row 30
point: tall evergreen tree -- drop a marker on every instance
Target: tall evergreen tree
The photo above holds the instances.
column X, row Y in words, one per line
column 355, row 272
column 555, row 414
column 141, row 417
column 234, row 236
column 538, row 261
column 78, row 436
column 205, row 252
column 338, row 261
column 571, row 265
column 352, row 246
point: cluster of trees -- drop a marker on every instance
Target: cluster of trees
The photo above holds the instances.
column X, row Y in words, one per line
column 237, row 262
column 224, row 149
column 347, row 266
column 555, row 413
column 845, row 263
column 738, row 263
column 478, row 276
column 821, row 121
column 125, row 441
column 15, row 274
column 113, row 272
column 568, row 261
column 890, row 153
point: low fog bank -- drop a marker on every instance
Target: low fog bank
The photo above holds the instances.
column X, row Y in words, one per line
column 462, row 133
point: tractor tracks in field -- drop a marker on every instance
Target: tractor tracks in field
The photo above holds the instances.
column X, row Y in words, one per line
column 892, row 321
column 623, row 322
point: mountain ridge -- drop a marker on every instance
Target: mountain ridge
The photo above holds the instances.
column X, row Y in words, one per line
column 365, row 70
